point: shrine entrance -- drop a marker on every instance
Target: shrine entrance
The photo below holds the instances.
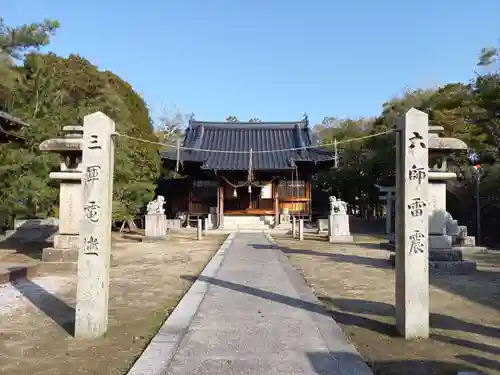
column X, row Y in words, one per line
column 242, row 199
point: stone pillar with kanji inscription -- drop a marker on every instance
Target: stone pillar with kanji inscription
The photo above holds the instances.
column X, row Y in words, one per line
column 94, row 258
column 412, row 225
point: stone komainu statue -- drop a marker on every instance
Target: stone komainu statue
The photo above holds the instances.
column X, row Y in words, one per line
column 156, row 206
column 337, row 206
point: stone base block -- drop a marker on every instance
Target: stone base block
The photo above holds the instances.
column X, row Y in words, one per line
column 469, row 241
column 51, row 254
column 156, row 225
column 66, row 241
column 340, row 239
column 440, row 242
column 469, row 250
column 52, row 267
column 453, row 255
column 322, row 225
column 464, row 266
column 59, row 260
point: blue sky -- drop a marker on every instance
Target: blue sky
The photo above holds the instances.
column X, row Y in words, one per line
column 272, row 59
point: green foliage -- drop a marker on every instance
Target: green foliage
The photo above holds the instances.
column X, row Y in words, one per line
column 50, row 92
column 232, row 119
column 488, row 56
column 468, row 111
column 14, row 41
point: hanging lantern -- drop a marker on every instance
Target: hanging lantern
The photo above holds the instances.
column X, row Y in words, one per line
column 235, row 193
column 249, row 189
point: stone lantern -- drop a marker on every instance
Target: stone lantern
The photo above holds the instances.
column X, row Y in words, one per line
column 64, row 253
column 444, row 232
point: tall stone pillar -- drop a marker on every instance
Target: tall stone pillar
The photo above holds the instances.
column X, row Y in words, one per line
column 94, row 260
column 412, row 226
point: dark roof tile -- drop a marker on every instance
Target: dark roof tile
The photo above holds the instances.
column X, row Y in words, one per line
column 228, row 137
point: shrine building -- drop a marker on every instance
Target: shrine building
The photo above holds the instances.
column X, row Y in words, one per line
column 10, row 127
column 238, row 170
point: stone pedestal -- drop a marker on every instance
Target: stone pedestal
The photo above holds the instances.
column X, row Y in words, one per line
column 465, row 242
column 199, row 230
column 205, row 226
column 63, row 255
column 443, row 230
column 156, row 227
column 301, row 229
column 322, row 225
column 338, row 228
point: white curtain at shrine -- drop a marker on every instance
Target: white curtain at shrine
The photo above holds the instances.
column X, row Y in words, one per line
column 266, row 191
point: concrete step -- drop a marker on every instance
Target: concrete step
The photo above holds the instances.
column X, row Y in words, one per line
column 239, row 223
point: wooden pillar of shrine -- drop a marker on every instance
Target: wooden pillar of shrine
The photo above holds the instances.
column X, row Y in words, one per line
column 276, row 203
column 221, row 204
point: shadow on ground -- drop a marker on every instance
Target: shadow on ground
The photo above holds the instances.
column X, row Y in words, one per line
column 336, row 257
column 352, row 312
column 351, row 307
column 30, row 249
column 343, row 307
column 56, row 309
column 290, row 301
column 482, row 287
column 326, row 363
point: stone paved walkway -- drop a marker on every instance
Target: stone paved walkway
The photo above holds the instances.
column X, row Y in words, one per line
column 259, row 317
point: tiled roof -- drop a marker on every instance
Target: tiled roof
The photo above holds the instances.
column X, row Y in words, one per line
column 245, row 136
column 8, row 119
column 7, row 124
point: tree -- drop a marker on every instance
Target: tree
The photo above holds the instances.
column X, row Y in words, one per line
column 172, row 126
column 468, row 111
column 232, row 119
column 14, row 43
column 50, row 92
column 488, row 56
